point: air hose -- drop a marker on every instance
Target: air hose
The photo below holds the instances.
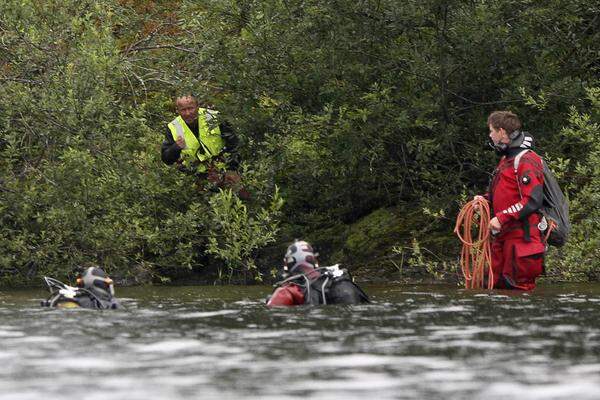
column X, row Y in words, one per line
column 476, row 256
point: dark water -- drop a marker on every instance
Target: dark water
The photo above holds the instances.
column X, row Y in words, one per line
column 414, row 342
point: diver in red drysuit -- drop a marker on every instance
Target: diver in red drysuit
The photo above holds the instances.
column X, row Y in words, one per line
column 307, row 283
column 516, row 197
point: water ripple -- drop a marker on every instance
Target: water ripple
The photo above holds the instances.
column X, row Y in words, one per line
column 413, row 342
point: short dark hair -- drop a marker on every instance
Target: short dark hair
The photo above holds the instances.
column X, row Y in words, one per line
column 504, row 120
column 186, row 95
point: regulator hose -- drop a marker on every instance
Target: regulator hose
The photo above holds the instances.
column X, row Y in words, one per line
column 476, row 256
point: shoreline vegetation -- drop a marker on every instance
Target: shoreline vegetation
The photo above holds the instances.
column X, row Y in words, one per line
column 362, row 129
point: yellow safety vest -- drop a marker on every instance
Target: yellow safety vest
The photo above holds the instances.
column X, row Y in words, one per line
column 201, row 151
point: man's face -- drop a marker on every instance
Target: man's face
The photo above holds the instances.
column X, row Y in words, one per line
column 498, row 135
column 187, row 107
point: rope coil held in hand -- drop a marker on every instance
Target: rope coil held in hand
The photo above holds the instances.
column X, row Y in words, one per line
column 476, row 256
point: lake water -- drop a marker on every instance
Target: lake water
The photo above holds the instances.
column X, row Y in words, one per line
column 210, row 342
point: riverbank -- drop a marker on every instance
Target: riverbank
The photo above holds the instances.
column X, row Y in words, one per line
column 388, row 245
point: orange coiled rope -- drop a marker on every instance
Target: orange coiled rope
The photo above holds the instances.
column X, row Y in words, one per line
column 476, row 256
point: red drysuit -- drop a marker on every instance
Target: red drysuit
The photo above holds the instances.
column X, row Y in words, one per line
column 287, row 295
column 517, row 250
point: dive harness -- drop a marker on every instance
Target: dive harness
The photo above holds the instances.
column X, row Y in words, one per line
column 62, row 292
column 328, row 274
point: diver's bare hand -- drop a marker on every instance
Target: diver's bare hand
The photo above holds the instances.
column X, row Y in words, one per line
column 479, row 198
column 495, row 225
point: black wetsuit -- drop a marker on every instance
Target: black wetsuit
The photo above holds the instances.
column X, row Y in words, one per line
column 87, row 301
column 83, row 300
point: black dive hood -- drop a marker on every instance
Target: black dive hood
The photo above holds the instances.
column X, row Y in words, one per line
column 516, row 140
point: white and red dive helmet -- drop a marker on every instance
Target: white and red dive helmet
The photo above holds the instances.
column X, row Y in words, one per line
column 98, row 282
column 299, row 254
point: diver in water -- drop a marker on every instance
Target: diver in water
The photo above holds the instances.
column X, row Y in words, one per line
column 307, row 283
column 94, row 290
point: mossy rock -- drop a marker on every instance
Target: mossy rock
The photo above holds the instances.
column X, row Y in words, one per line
column 329, row 243
column 374, row 235
column 365, row 247
column 368, row 247
column 443, row 244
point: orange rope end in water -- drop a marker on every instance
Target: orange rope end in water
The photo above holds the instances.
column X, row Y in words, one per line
column 476, row 256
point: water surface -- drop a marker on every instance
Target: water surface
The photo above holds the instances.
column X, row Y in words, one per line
column 413, row 342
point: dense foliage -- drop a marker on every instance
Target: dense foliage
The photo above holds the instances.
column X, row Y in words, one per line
column 348, row 107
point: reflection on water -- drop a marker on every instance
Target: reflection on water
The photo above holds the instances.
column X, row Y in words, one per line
column 413, row 342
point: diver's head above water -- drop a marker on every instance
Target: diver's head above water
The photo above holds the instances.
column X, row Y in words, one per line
column 300, row 258
column 97, row 281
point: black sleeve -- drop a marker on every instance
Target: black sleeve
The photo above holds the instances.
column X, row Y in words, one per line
column 169, row 151
column 230, row 138
column 231, row 145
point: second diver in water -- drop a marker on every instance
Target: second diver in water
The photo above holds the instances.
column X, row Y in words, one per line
column 94, row 290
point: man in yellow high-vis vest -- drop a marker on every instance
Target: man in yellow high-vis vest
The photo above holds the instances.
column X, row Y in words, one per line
column 199, row 144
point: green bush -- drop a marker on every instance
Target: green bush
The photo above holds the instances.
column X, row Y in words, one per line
column 348, row 107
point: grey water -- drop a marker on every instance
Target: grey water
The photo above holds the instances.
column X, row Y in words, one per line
column 210, row 342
